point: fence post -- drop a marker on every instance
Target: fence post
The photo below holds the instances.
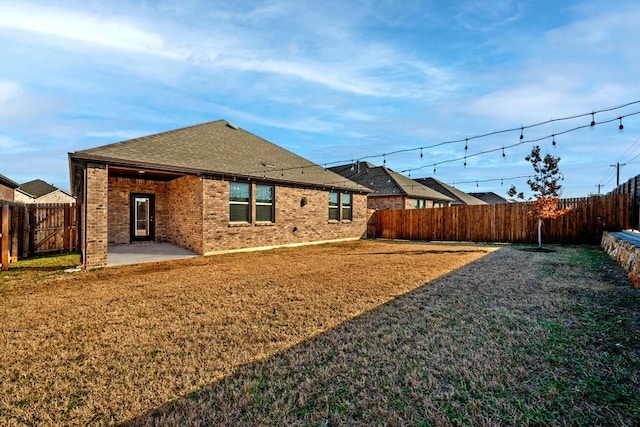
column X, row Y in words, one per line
column 66, row 241
column 32, row 229
column 4, row 245
column 15, row 233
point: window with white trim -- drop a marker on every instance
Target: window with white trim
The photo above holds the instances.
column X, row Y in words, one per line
column 419, row 203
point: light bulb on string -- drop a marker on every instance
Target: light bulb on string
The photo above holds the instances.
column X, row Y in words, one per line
column 434, row 168
column 521, row 133
column 621, row 126
column 553, row 140
column 352, row 167
column 421, row 155
column 465, row 161
column 503, row 153
column 593, row 119
column 466, row 144
column 501, row 182
column 384, row 160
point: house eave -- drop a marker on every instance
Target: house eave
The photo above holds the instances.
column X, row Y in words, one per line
column 84, row 158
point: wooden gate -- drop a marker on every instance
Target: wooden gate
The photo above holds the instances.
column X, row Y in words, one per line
column 28, row 230
column 53, row 228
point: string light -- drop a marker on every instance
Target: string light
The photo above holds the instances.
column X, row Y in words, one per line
column 513, row 178
column 519, row 143
column 503, row 148
column 553, row 142
column 421, row 155
column 465, row 161
column 503, row 154
column 466, row 144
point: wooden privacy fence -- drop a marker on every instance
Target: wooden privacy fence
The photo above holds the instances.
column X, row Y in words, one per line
column 29, row 230
column 508, row 222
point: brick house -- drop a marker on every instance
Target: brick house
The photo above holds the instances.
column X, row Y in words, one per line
column 459, row 197
column 38, row 191
column 7, row 186
column 209, row 188
column 391, row 190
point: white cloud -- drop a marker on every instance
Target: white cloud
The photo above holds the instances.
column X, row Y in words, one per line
column 10, row 145
column 86, row 28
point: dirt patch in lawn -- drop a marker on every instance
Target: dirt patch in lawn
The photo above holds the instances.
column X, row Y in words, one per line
column 101, row 347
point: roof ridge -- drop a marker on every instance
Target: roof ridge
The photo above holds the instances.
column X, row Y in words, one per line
column 154, row 135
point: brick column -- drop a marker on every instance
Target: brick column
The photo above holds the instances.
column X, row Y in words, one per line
column 97, row 185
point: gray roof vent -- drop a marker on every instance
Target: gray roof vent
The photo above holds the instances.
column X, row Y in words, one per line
column 232, row 126
column 268, row 165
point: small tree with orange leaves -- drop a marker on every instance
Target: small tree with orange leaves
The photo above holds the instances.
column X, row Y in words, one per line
column 545, row 188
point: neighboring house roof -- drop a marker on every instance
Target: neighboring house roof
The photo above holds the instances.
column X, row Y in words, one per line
column 490, row 197
column 37, row 188
column 216, row 148
column 8, row 182
column 460, row 197
column 385, row 182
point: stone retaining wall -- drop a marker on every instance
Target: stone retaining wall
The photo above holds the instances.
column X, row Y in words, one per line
column 626, row 254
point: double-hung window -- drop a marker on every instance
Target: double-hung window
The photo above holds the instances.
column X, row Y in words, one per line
column 340, row 206
column 346, row 207
column 251, row 203
column 239, row 202
column 264, row 203
column 334, row 206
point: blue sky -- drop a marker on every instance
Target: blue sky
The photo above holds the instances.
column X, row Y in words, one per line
column 331, row 81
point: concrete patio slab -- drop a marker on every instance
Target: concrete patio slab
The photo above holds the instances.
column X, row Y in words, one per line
column 139, row 253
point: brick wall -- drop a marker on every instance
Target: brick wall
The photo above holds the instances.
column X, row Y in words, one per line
column 387, row 203
column 193, row 212
column 120, row 190
column 294, row 223
column 96, row 216
column 184, row 213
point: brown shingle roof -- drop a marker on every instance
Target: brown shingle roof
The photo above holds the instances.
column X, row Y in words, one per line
column 385, row 182
column 217, row 148
column 37, row 188
column 459, row 197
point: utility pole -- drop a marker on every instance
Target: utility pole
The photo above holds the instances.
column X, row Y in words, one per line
column 617, row 166
column 599, row 187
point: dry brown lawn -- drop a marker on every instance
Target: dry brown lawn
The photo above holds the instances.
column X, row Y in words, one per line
column 360, row 333
column 101, row 347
